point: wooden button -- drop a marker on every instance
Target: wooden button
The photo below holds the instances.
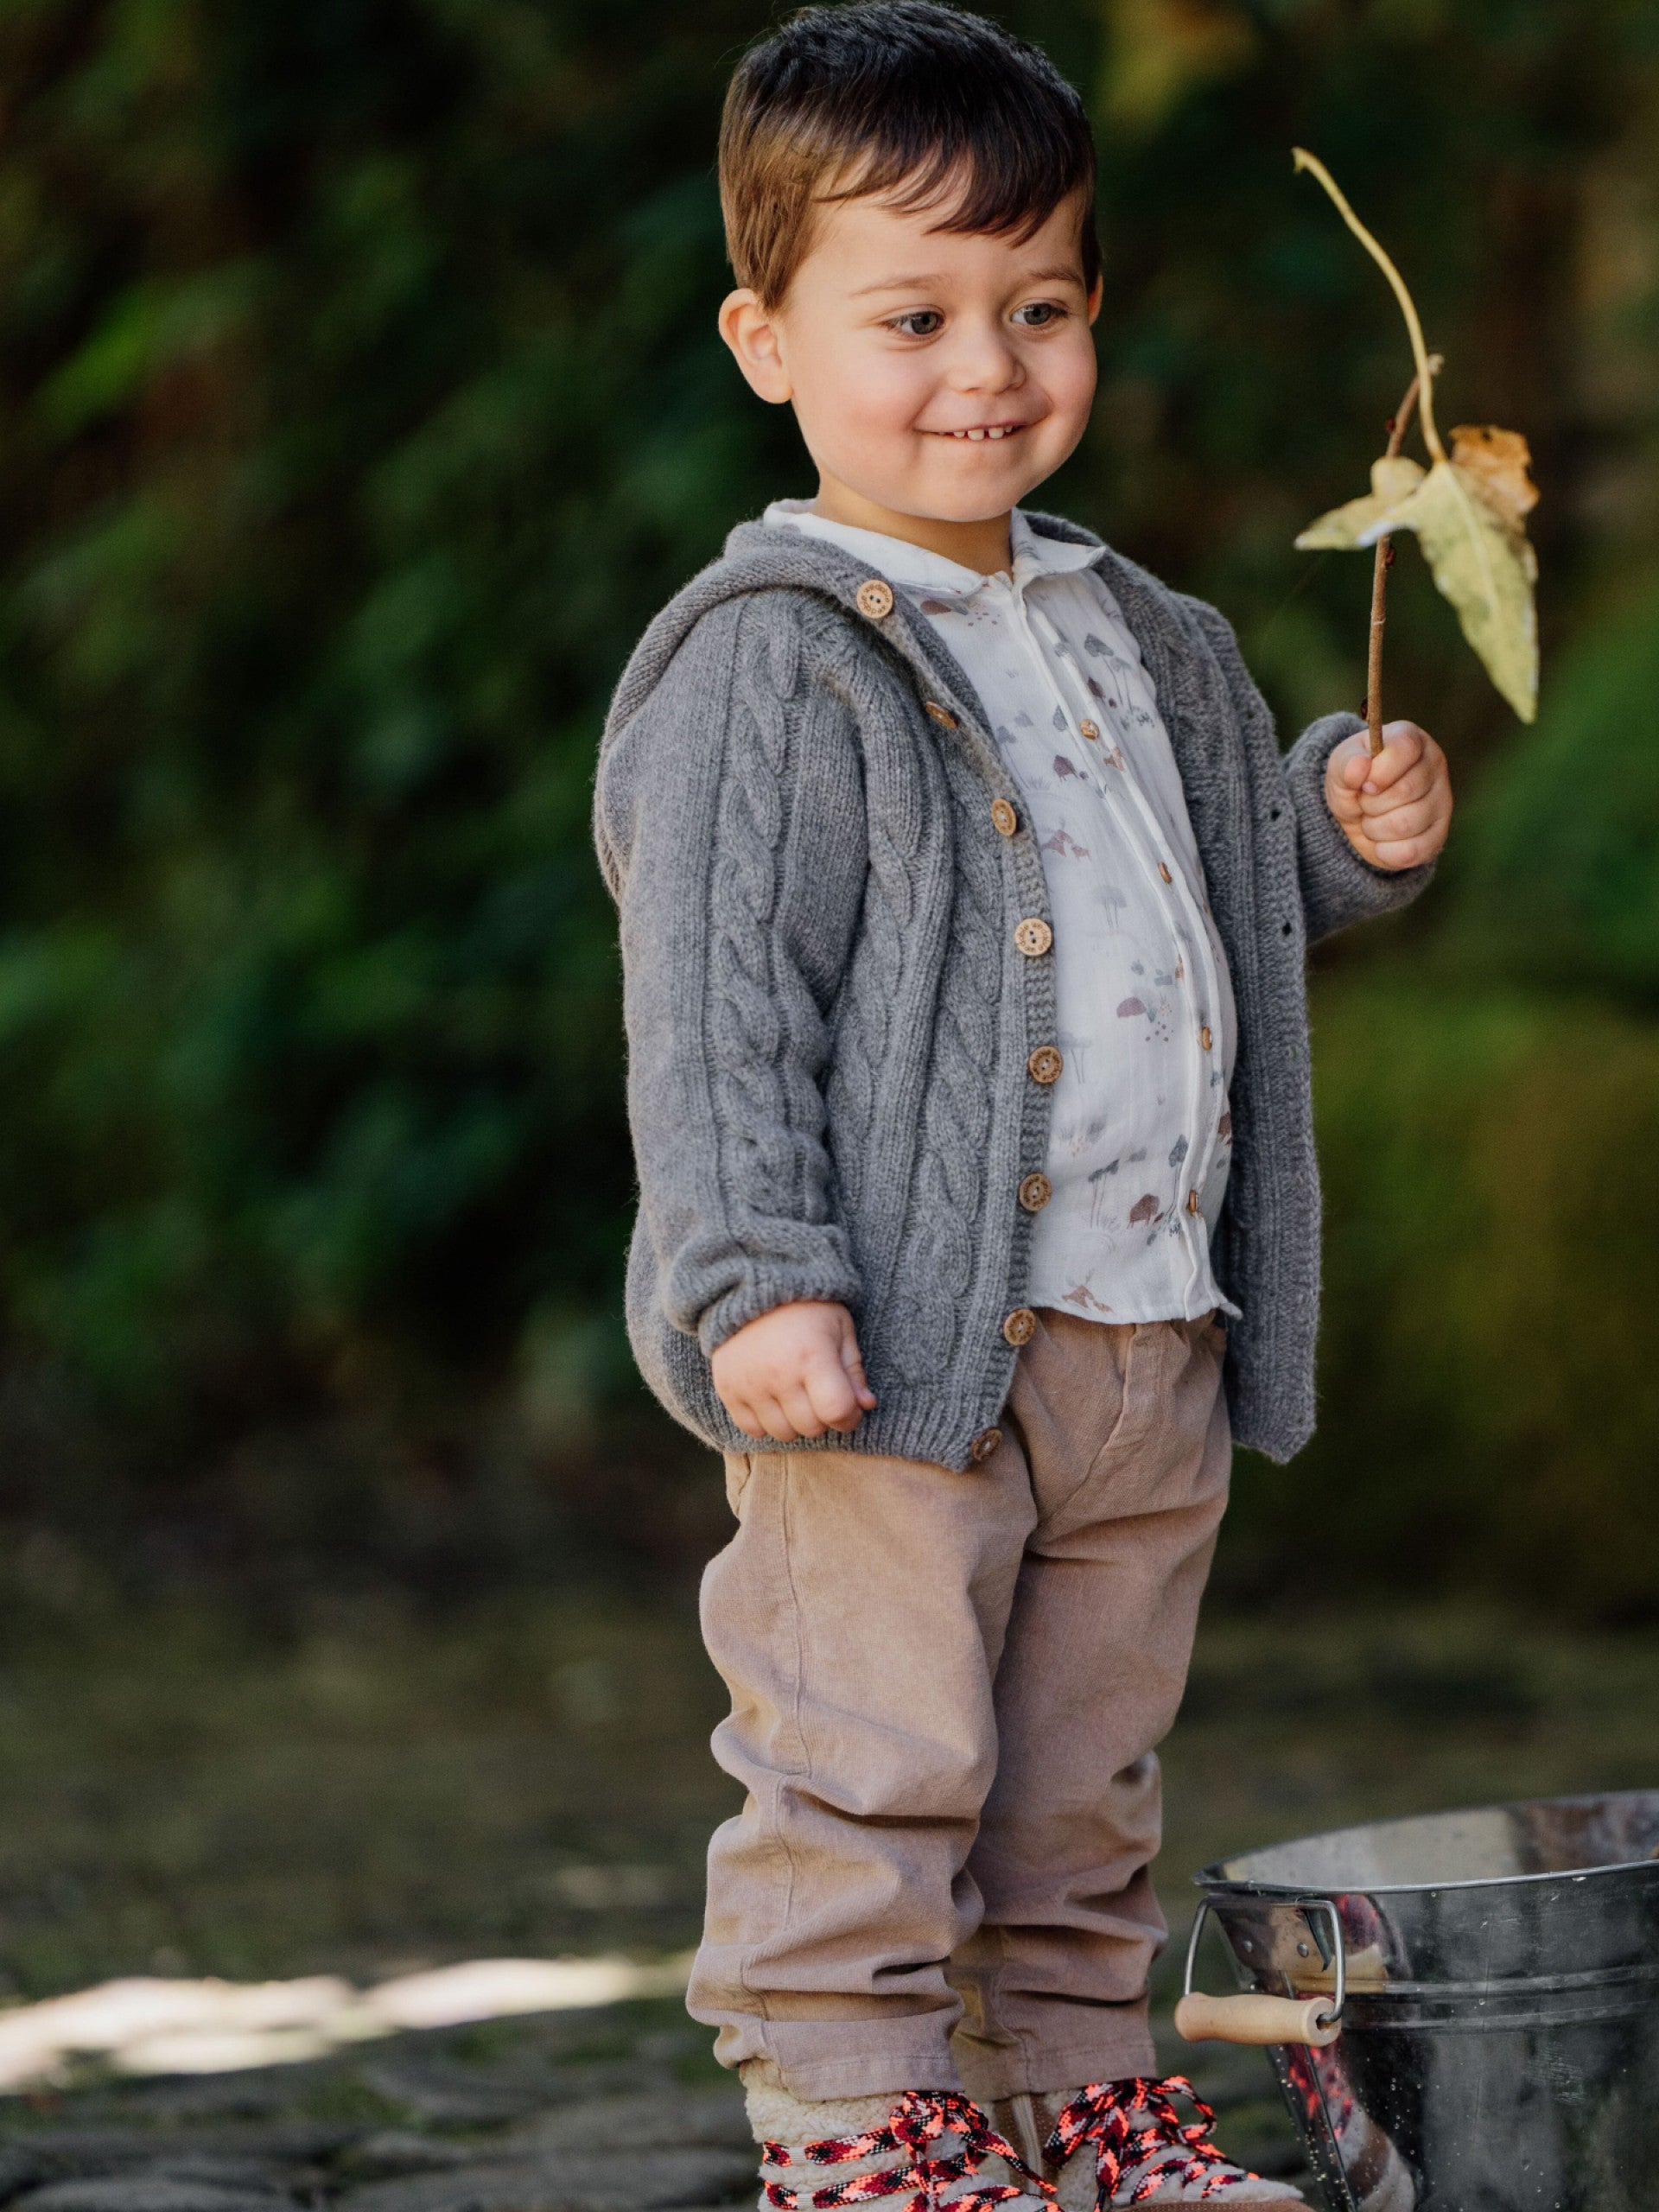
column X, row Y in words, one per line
column 943, row 715
column 987, row 1441
column 1034, row 936
column 1090, row 729
column 1165, row 873
column 1003, row 815
column 1020, row 1326
column 1205, row 1039
column 875, row 599
column 1044, row 1064
column 1035, row 1192
column 1191, row 1202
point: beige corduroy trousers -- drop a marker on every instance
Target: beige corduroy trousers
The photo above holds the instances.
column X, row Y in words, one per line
column 945, row 1692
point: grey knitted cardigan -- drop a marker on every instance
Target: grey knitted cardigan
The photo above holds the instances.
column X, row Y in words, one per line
column 829, row 1020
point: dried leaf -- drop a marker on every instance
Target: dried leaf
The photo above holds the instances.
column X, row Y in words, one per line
column 1467, row 514
column 1499, row 460
column 1361, row 522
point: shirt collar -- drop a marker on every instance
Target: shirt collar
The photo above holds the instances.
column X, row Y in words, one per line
column 915, row 568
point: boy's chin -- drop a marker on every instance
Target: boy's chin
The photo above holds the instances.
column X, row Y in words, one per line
column 988, row 503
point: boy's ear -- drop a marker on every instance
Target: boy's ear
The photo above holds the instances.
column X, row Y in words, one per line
column 752, row 336
column 1096, row 294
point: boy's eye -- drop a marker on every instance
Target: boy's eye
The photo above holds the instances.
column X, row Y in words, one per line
column 1038, row 314
column 920, row 323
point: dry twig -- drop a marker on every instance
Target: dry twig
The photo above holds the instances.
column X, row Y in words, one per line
column 1398, row 422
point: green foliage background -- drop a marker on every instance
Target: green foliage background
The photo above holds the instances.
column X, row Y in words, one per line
column 359, row 402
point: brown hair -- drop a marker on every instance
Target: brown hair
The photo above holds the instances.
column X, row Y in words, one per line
column 907, row 99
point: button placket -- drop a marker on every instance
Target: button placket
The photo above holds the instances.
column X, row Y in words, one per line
column 1130, row 793
column 1151, row 832
column 1138, row 809
column 1035, row 1192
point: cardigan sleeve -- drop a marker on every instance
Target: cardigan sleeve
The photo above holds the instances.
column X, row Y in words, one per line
column 729, row 816
column 1338, row 886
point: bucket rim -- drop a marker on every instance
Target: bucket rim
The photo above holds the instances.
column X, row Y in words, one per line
column 1215, row 1880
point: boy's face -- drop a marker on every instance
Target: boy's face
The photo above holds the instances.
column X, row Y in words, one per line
column 935, row 374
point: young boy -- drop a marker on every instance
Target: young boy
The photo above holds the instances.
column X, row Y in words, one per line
column 964, row 900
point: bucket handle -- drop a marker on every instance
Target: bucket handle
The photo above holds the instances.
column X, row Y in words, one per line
column 1253, row 2017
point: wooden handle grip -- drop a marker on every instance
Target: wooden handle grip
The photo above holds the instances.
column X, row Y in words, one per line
column 1256, row 2019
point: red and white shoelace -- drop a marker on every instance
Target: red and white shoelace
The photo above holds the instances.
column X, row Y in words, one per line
column 1135, row 2124
column 918, row 2121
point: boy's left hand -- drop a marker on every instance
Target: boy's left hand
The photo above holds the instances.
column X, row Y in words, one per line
column 1395, row 810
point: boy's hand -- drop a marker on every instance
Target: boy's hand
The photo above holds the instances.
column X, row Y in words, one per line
column 1395, row 810
column 794, row 1373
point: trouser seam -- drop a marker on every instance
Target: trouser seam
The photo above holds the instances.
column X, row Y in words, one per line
column 802, row 1767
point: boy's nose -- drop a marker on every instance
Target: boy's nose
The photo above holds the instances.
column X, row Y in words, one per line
column 983, row 361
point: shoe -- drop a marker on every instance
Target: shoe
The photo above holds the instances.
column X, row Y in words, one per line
column 1117, row 2143
column 926, row 2152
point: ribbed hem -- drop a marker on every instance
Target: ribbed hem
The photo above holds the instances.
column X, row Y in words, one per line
column 940, row 1432
column 1268, row 1421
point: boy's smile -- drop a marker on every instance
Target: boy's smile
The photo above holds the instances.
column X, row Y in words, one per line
column 938, row 375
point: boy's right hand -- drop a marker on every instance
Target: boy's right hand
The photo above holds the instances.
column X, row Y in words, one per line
column 794, row 1373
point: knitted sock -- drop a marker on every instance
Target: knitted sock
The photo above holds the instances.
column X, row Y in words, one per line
column 775, row 2116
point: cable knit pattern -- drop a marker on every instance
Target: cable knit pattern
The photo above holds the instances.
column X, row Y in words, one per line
column 829, row 1021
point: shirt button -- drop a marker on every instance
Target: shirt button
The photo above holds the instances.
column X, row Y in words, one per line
column 1090, row 729
column 874, row 599
column 1019, row 1326
column 1035, row 1192
column 1044, row 1064
column 943, row 715
column 1034, row 936
column 1205, row 1039
column 1005, row 817
column 1165, row 873
column 987, row 1441
column 1192, row 1202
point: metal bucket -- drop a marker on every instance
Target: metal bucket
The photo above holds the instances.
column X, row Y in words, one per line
column 1488, row 2018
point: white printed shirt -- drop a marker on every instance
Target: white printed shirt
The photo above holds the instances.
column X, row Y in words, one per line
column 1141, row 1137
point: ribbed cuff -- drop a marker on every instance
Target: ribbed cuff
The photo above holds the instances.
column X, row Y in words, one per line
column 1343, row 886
column 768, row 1285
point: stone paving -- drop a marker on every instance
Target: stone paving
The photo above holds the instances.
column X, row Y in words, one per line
column 613, row 2111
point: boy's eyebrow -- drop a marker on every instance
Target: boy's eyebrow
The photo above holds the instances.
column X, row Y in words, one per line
column 895, row 284
column 1061, row 273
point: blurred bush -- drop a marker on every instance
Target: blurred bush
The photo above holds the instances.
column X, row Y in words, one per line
column 1487, row 1107
column 1488, row 1395
column 1560, row 863
column 359, row 401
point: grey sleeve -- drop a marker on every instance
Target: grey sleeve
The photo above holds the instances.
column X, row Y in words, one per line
column 730, row 821
column 1337, row 886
